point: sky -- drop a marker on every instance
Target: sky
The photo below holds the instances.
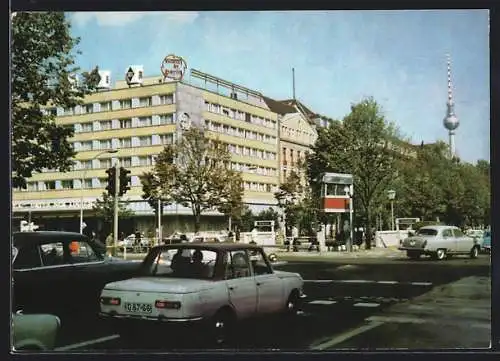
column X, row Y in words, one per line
column 339, row 57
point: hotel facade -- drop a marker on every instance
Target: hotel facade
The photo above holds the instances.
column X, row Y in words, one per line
column 131, row 122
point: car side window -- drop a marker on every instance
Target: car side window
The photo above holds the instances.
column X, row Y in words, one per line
column 28, row 257
column 54, row 254
column 259, row 264
column 82, row 252
column 447, row 233
column 458, row 233
column 238, row 265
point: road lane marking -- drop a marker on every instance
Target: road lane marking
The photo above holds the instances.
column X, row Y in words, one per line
column 355, row 281
column 318, row 281
column 366, row 304
column 421, row 283
column 345, row 336
column 396, row 319
column 87, row 343
column 388, row 282
column 322, row 302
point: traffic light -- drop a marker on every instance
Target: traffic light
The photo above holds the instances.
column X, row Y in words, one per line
column 111, row 187
column 124, row 181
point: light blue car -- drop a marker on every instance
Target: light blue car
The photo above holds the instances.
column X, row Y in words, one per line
column 486, row 245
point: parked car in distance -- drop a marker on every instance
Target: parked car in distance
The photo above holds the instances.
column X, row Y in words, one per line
column 34, row 332
column 210, row 286
column 211, row 238
column 486, row 242
column 62, row 273
column 439, row 242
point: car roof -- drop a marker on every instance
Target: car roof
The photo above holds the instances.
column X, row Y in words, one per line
column 21, row 238
column 211, row 246
column 438, row 226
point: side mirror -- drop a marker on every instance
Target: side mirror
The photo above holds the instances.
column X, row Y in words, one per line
column 19, row 312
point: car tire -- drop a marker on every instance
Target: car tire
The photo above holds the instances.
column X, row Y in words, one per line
column 474, row 252
column 413, row 255
column 292, row 306
column 221, row 327
column 440, row 254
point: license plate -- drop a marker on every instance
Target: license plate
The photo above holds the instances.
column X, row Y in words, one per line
column 138, row 307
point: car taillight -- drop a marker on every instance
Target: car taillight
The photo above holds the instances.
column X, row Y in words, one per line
column 114, row 301
column 175, row 305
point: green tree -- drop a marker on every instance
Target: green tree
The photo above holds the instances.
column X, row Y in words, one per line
column 289, row 196
column 233, row 207
column 359, row 145
column 42, row 63
column 196, row 173
column 104, row 209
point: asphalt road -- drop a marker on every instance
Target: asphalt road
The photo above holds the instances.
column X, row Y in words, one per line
column 341, row 294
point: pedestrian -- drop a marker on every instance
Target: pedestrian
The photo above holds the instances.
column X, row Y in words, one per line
column 109, row 244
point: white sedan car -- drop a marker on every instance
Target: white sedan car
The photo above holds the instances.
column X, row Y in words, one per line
column 211, row 285
column 440, row 242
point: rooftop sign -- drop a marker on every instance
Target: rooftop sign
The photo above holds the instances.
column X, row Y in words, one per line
column 173, row 67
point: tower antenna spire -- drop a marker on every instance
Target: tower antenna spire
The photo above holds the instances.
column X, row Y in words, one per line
column 450, row 121
column 293, row 82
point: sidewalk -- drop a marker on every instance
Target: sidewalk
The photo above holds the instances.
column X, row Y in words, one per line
column 452, row 316
column 362, row 253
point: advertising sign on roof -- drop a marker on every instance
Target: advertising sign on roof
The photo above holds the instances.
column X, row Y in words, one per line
column 173, row 67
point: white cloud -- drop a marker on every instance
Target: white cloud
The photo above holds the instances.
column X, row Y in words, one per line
column 115, row 19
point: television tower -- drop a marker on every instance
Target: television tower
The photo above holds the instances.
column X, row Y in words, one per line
column 450, row 121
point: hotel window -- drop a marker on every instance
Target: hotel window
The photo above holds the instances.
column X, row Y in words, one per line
column 268, row 188
column 125, row 142
column 86, row 145
column 105, row 124
column 225, row 112
column 87, row 183
column 291, row 156
column 126, row 161
column 105, row 106
column 125, row 123
column 145, row 102
column 67, row 184
column 50, row 185
column 52, row 111
column 145, row 121
column 86, row 127
column 145, row 161
column 125, row 103
column 69, row 111
column 86, row 164
column 238, row 149
column 284, row 156
column 105, row 163
column 259, row 154
column 225, row 129
column 248, row 118
column 215, row 108
column 32, row 186
column 166, row 119
column 145, row 141
column 103, row 182
column 166, row 99
column 167, row 138
column 207, row 106
column 87, row 108
column 246, row 151
column 247, row 185
column 105, row 144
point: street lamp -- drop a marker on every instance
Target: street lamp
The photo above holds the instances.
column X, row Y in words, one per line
column 349, row 191
column 110, row 151
column 391, row 194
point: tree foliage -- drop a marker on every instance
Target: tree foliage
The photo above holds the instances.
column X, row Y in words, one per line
column 41, row 65
column 196, row 173
column 104, row 209
column 359, row 145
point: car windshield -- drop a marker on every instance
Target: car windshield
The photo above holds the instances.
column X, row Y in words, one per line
column 180, row 262
column 427, row 232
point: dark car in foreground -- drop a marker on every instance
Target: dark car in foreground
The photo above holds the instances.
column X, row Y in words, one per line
column 62, row 273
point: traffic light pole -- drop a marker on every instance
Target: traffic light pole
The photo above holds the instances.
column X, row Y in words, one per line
column 115, row 213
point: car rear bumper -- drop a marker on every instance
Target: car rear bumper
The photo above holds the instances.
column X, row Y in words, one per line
column 109, row 316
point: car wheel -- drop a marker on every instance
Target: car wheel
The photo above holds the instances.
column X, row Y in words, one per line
column 220, row 327
column 440, row 254
column 292, row 305
column 413, row 255
column 474, row 252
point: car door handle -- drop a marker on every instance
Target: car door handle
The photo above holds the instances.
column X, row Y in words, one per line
column 258, row 283
column 231, row 288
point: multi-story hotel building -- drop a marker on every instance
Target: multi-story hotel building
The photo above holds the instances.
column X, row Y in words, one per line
column 132, row 121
